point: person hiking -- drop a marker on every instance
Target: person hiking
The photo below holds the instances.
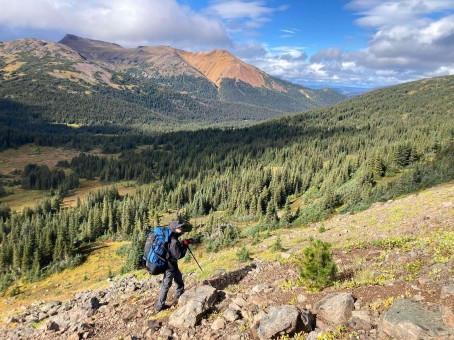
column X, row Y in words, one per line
column 176, row 251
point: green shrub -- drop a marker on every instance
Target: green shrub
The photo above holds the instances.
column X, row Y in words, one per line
column 317, row 269
column 243, row 254
column 123, row 250
column 277, row 245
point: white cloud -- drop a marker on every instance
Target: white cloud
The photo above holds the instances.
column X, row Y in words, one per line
column 132, row 22
column 411, row 39
column 243, row 16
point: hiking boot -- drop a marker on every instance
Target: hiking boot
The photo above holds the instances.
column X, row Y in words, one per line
column 160, row 308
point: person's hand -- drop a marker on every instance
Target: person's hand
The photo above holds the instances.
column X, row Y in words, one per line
column 188, row 241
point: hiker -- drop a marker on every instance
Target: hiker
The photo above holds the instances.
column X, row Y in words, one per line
column 177, row 250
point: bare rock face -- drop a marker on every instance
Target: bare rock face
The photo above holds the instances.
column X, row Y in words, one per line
column 407, row 319
column 335, row 308
column 285, row 319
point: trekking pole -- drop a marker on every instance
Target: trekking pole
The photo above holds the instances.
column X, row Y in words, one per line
column 195, row 259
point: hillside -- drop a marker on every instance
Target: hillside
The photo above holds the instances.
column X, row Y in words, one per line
column 241, row 187
column 90, row 82
column 394, row 255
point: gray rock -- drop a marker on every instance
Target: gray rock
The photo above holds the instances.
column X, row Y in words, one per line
column 218, row 324
column 11, row 319
column 166, row 332
column 282, row 320
column 335, row 308
column 360, row 320
column 447, row 291
column 207, row 295
column 195, row 303
column 188, row 315
column 48, row 306
column 32, row 318
column 408, row 320
column 313, row 335
column 262, row 287
column 301, row 298
column 231, row 314
column 54, row 310
column 239, row 301
column 42, row 316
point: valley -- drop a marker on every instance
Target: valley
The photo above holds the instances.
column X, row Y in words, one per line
column 99, row 143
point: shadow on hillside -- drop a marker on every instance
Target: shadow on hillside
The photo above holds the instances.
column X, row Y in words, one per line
column 87, row 249
column 229, row 278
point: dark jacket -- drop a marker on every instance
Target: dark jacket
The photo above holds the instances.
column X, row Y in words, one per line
column 177, row 250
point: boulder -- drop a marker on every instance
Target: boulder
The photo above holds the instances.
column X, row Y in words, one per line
column 188, row 315
column 407, row 319
column 218, row 324
column 231, row 314
column 360, row 320
column 207, row 295
column 285, row 319
column 335, row 308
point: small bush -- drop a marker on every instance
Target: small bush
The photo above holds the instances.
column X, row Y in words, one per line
column 277, row 245
column 123, row 250
column 317, row 269
column 243, row 254
column 15, row 291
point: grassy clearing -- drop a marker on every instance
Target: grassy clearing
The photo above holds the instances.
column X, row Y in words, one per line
column 17, row 159
column 21, row 198
column 92, row 274
column 86, row 186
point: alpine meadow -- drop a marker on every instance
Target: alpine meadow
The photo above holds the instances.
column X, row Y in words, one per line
column 261, row 171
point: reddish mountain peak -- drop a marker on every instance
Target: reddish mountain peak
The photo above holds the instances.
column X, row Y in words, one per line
column 219, row 64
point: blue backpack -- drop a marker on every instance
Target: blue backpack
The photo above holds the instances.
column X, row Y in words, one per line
column 155, row 252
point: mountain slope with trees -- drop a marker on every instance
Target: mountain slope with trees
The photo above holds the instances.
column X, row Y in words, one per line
column 88, row 82
column 338, row 159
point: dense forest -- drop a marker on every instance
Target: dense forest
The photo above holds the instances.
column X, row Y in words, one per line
column 336, row 160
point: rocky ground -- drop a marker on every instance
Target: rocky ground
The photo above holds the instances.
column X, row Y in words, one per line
column 396, row 281
column 252, row 302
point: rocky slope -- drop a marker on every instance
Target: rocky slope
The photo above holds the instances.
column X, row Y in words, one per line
column 395, row 282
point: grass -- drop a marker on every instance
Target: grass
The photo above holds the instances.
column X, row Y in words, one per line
column 21, row 198
column 17, row 159
column 92, row 274
column 125, row 187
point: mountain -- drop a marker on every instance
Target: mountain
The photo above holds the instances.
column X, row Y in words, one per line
column 84, row 81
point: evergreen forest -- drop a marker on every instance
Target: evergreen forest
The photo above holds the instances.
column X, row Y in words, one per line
column 336, row 160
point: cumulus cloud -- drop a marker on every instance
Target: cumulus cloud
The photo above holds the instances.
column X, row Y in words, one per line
column 242, row 15
column 131, row 23
column 410, row 40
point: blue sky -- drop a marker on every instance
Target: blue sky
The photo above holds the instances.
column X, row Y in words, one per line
column 357, row 43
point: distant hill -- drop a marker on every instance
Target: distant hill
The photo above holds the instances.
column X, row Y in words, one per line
column 88, row 82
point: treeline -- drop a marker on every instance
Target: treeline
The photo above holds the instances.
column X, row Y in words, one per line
column 368, row 149
column 40, row 177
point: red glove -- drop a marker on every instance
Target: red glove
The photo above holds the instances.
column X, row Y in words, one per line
column 188, row 241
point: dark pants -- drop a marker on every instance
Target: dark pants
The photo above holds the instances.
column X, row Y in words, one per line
column 173, row 273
